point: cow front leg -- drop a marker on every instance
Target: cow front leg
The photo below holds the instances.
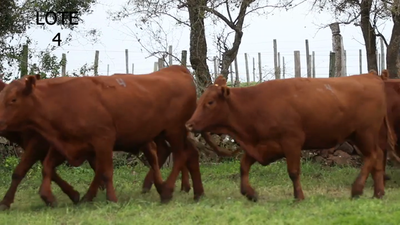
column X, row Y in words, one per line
column 245, row 188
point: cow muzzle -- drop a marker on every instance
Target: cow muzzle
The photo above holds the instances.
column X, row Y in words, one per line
column 189, row 126
column 3, row 125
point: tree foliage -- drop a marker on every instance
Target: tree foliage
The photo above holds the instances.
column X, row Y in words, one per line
column 18, row 16
column 369, row 15
column 194, row 14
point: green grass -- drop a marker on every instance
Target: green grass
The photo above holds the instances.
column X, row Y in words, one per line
column 327, row 192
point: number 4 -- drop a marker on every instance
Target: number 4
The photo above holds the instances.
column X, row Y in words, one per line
column 57, row 39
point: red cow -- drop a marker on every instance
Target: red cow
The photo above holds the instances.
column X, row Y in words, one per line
column 119, row 112
column 279, row 118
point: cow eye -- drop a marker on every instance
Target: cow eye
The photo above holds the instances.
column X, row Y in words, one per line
column 13, row 100
column 210, row 102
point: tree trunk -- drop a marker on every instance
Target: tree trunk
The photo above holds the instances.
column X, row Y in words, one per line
column 198, row 43
column 368, row 34
column 393, row 49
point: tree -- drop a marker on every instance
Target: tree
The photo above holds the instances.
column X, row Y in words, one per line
column 147, row 12
column 18, row 16
column 367, row 14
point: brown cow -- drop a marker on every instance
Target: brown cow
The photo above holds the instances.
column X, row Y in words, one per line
column 279, row 118
column 36, row 147
column 122, row 112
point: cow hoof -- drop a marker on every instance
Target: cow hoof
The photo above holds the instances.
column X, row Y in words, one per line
column 166, row 200
column 4, row 207
column 253, row 198
column 52, row 204
column 85, row 199
column 145, row 190
column 185, row 189
column 75, row 198
column 198, row 197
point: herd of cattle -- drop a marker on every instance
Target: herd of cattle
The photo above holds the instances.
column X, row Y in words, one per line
column 75, row 119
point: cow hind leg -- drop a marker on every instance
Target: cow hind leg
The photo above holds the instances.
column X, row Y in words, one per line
column 176, row 141
column 150, row 151
column 52, row 160
column 365, row 143
column 294, row 169
column 104, row 171
column 378, row 174
column 193, row 166
column 92, row 163
column 185, row 185
column 163, row 151
column 245, row 188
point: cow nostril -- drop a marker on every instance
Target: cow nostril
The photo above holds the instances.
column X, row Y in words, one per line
column 189, row 126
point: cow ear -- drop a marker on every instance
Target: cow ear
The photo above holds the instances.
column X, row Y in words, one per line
column 221, row 80
column 30, row 83
column 385, row 74
column 38, row 77
column 225, row 91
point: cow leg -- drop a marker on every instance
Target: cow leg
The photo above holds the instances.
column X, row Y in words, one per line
column 193, row 166
column 150, row 151
column 185, row 185
column 378, row 174
column 245, row 188
column 65, row 187
column 52, row 160
column 364, row 144
column 104, row 171
column 28, row 159
column 293, row 167
column 163, row 151
column 180, row 157
column 92, row 163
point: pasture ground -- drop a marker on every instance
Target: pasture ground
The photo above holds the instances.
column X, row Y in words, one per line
column 327, row 192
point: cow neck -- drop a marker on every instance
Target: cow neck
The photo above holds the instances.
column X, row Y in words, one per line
column 42, row 119
column 238, row 102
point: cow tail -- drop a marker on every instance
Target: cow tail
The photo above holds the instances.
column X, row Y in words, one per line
column 391, row 140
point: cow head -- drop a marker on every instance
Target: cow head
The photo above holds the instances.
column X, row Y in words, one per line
column 212, row 109
column 16, row 101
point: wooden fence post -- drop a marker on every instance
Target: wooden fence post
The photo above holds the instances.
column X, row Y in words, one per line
column 313, row 64
column 279, row 65
column 63, row 64
column 215, row 67
column 108, row 69
column 276, row 59
column 308, row 60
column 184, row 58
column 337, row 47
column 231, row 72
column 133, row 68
column 254, row 70
column 24, row 60
column 247, row 69
column 332, row 64
column 155, row 66
column 297, row 66
column 360, row 60
column 160, row 63
column 236, row 73
column 169, row 56
column 383, row 65
column 126, row 61
column 259, row 67
column 283, row 67
column 96, row 63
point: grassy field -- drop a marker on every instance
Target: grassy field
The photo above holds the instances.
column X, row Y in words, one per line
column 327, row 192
